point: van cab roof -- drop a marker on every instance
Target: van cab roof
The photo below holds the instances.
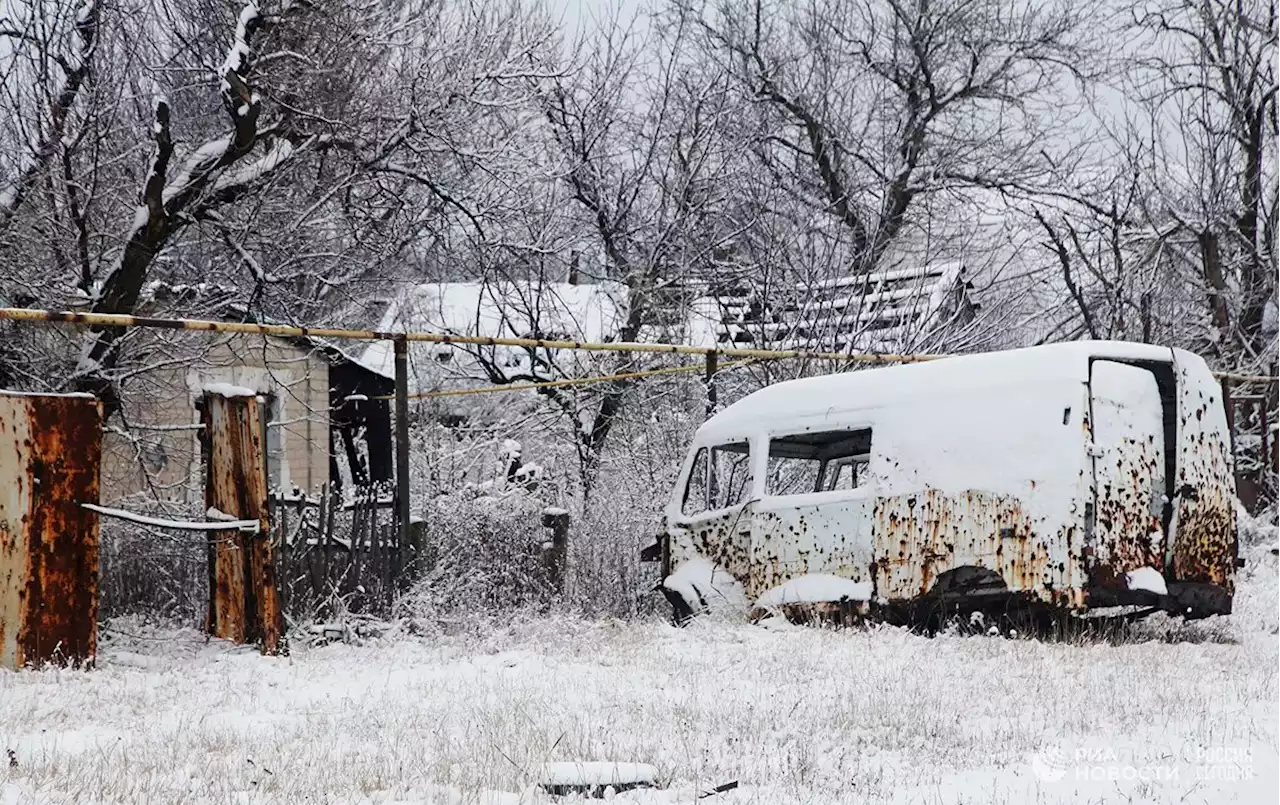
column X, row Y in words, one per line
column 873, row 388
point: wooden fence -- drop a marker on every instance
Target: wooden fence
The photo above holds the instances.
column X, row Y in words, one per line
column 335, row 553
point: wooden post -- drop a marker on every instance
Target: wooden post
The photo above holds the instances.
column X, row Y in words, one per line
column 50, row 452
column 244, row 604
column 555, row 552
column 711, row 383
column 1265, row 443
column 1274, row 457
column 402, row 444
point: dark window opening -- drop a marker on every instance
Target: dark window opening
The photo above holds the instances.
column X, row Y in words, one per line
column 818, row 462
column 720, row 478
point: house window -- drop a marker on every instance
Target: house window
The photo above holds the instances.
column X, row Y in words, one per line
column 818, row 462
column 719, row 479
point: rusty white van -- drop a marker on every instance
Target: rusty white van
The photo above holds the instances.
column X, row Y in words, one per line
column 1080, row 476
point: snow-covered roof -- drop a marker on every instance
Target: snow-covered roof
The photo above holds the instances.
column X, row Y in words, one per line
column 882, row 311
column 502, row 309
column 795, row 400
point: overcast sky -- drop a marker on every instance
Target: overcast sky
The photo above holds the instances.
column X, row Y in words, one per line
column 579, row 13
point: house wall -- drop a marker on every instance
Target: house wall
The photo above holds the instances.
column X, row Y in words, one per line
column 152, row 449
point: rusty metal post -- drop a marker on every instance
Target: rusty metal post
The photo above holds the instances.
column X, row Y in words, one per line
column 711, row 383
column 50, row 456
column 402, row 445
column 244, row 603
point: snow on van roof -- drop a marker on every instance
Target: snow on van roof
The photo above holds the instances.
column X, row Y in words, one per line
column 873, row 388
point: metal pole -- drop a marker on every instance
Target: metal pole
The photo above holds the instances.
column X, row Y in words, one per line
column 402, row 442
column 711, row 383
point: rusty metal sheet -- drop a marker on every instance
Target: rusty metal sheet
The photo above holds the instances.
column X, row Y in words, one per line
column 244, row 604
column 814, row 537
column 1204, row 523
column 902, row 544
column 1127, row 445
column 922, row 537
column 50, row 452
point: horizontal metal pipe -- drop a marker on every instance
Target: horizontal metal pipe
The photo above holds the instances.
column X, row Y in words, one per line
column 290, row 331
column 285, row 330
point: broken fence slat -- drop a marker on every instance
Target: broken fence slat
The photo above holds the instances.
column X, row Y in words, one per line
column 180, row 525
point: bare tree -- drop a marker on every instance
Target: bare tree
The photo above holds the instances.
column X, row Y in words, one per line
column 1210, row 87
column 296, row 152
column 869, row 107
column 635, row 143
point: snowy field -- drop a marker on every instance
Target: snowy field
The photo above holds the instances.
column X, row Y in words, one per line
column 1181, row 713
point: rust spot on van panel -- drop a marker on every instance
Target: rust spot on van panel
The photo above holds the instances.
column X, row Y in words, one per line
column 922, row 536
column 1204, row 548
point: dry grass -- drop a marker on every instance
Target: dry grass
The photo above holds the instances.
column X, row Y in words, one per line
column 795, row 715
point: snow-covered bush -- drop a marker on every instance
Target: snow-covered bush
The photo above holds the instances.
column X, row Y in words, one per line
column 482, row 555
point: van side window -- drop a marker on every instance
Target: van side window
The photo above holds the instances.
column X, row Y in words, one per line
column 695, row 495
column 720, row 478
column 818, row 462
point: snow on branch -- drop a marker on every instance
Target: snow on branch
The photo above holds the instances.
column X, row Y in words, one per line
column 164, row 210
column 217, row 523
column 277, row 153
column 241, row 102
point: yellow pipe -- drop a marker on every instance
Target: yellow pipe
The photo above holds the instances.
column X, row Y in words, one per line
column 284, row 330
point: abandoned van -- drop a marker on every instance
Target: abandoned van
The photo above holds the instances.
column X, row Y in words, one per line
column 1080, row 476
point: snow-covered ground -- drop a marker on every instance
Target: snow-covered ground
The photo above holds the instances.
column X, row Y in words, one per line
column 793, row 715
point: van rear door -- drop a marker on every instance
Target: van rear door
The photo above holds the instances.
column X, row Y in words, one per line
column 1128, row 453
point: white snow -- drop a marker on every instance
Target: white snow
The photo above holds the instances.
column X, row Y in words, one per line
column 1147, row 578
column 276, row 155
column 198, row 160
column 815, row 588
column 140, row 215
column 554, row 511
column 703, row 584
column 1181, row 713
column 597, row 773
column 224, row 523
column 228, row 390
column 499, row 309
column 81, row 395
column 988, row 373
column 83, row 13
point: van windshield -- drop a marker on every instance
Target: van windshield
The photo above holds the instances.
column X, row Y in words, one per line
column 720, row 478
column 818, row 462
